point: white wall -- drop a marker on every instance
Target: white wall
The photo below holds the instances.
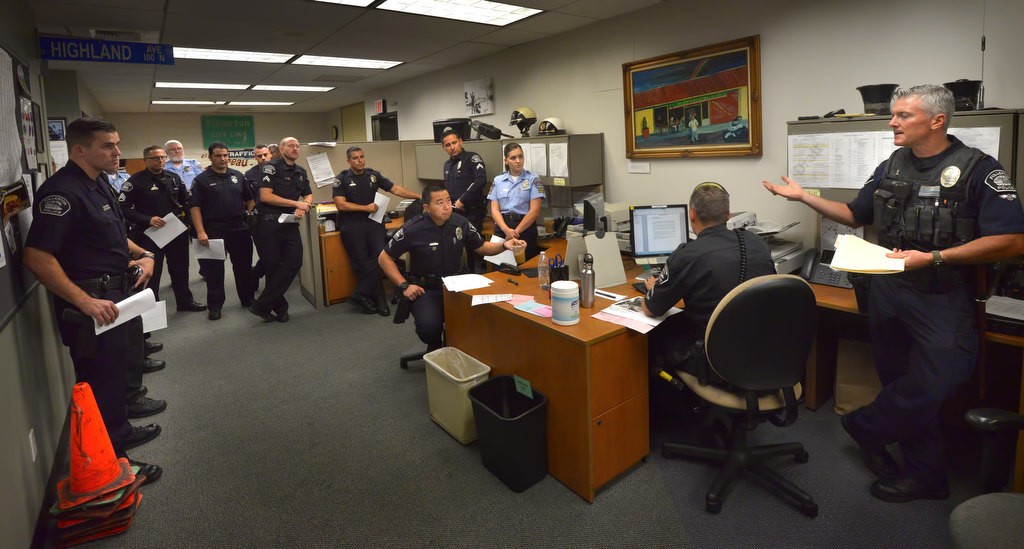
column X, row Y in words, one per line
column 813, row 54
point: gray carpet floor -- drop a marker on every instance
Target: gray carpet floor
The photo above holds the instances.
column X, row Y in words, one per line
column 308, row 434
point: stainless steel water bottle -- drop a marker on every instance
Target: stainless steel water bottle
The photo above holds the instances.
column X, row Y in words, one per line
column 587, row 282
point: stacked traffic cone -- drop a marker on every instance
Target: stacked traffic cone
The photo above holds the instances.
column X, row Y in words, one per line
column 100, row 495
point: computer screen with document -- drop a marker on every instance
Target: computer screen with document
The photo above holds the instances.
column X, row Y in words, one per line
column 656, row 231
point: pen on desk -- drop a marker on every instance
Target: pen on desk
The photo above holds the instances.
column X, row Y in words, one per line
column 605, row 294
column 513, row 281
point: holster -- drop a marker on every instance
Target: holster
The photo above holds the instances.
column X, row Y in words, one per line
column 402, row 310
column 84, row 332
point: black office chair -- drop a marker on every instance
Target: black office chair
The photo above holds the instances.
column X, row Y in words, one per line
column 762, row 358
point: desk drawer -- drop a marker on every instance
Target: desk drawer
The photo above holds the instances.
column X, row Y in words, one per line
column 621, row 438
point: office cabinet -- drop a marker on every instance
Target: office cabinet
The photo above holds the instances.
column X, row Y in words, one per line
column 338, row 277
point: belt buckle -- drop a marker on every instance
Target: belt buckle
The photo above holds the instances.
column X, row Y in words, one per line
column 104, row 282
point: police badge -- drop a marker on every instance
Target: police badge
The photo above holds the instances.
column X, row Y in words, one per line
column 234, row 179
column 458, row 233
column 949, row 176
column 373, row 178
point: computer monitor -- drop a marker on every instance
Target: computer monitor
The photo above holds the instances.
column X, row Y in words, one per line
column 656, row 231
column 460, row 125
column 593, row 214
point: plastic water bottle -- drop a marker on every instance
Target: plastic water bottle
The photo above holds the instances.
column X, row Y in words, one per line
column 543, row 273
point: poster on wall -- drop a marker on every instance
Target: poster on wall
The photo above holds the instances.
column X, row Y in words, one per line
column 10, row 138
column 479, row 97
column 28, row 131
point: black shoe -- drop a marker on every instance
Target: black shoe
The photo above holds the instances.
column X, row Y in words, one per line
column 267, row 317
column 364, row 305
column 153, row 347
column 248, row 303
column 382, row 307
column 191, row 306
column 143, row 406
column 214, row 314
column 904, row 489
column 153, row 365
column 876, row 458
column 282, row 317
column 141, row 435
column 151, row 471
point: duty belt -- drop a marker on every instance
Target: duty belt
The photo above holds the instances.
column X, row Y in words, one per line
column 269, row 217
column 428, row 282
column 103, row 283
column 513, row 216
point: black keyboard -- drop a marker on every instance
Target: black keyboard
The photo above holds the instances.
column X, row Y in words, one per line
column 640, row 287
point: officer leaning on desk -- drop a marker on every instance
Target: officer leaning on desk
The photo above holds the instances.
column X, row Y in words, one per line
column 435, row 241
column 943, row 207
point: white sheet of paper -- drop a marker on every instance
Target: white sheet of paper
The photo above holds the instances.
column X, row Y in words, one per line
column 539, row 159
column 630, row 308
column 163, row 235
column 559, row 153
column 461, row 283
column 856, row 255
column 490, row 298
column 320, row 168
column 287, row 218
column 381, row 200
column 155, row 318
column 1002, row 306
column 129, row 308
column 504, row 257
column 214, row 251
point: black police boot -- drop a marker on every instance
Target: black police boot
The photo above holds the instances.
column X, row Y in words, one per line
column 364, row 305
column 142, row 435
column 143, row 406
column 150, row 471
column 153, row 365
column 191, row 306
column 153, row 347
column 382, row 306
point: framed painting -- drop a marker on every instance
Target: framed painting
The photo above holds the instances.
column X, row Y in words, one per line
column 703, row 102
column 55, row 129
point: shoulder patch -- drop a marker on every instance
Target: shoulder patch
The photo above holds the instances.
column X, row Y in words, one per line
column 399, row 234
column 999, row 182
column 55, row 205
column 336, row 183
column 476, row 159
column 269, row 169
column 127, row 187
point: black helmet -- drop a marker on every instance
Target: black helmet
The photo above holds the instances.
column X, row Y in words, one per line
column 523, row 118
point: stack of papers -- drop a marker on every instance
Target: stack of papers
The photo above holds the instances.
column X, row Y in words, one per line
column 461, row 283
column 630, row 313
column 856, row 255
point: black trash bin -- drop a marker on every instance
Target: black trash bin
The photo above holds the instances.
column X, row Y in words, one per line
column 512, row 431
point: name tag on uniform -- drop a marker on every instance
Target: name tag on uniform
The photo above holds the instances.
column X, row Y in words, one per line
column 106, row 207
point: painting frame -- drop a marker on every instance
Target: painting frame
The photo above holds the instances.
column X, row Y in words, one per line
column 56, row 129
column 672, row 101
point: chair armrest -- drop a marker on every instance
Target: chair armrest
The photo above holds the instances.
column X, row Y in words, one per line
column 994, row 419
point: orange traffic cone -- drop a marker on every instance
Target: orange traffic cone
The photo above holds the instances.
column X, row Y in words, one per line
column 95, row 469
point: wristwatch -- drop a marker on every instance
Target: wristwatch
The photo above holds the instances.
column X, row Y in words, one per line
column 404, row 286
column 936, row 258
column 148, row 254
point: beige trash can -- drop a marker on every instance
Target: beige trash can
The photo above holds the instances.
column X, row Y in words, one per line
column 451, row 373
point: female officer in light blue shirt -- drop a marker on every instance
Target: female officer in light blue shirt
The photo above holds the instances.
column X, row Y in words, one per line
column 515, row 200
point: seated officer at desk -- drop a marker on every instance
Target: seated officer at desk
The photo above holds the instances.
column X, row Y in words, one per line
column 701, row 273
column 435, row 241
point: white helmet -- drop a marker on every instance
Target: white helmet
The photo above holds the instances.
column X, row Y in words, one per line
column 523, row 118
column 551, row 126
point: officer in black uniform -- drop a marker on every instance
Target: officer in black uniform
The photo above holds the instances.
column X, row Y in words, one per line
column 363, row 238
column 79, row 249
column 944, row 208
column 435, row 241
column 220, row 200
column 465, row 179
column 701, row 273
column 253, row 176
column 146, row 198
column 284, row 189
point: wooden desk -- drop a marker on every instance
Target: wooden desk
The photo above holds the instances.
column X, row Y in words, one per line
column 339, row 279
column 821, row 368
column 594, row 375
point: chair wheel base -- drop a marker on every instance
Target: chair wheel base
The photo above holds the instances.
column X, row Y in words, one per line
column 809, row 509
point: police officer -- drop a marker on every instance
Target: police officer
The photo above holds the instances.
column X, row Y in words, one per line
column 79, row 249
column 284, row 189
column 146, row 198
column 116, row 178
column 220, row 198
column 253, row 176
column 435, row 241
column 465, row 178
column 943, row 207
column 516, row 197
column 185, row 168
column 363, row 238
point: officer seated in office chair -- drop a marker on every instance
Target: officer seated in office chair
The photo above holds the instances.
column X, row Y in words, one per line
column 700, row 272
column 435, row 241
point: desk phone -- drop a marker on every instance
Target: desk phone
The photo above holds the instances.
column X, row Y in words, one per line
column 817, row 270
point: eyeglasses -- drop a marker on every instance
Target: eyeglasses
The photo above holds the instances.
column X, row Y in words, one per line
column 156, row 158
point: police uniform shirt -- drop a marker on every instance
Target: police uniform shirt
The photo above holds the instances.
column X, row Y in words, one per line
column 117, row 180
column 78, row 220
column 289, row 182
column 221, row 197
column 252, row 177
column 433, row 249
column 146, row 194
column 465, row 178
column 991, row 194
column 703, row 271
column 188, row 170
column 515, row 193
column 359, row 189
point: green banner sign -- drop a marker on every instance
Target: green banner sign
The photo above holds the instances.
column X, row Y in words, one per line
column 238, row 132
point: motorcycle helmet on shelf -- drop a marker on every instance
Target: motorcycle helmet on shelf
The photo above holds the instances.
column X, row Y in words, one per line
column 551, row 126
column 523, row 118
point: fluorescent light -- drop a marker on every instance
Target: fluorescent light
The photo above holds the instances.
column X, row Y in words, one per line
column 261, row 103
column 360, row 3
column 473, row 11
column 201, row 85
column 188, row 102
column 269, row 87
column 345, row 62
column 231, row 55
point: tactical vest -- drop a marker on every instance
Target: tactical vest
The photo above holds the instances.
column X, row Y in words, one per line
column 922, row 211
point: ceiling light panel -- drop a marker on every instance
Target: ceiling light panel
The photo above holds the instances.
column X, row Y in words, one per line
column 231, row 55
column 260, row 103
column 473, row 11
column 162, row 102
column 271, row 87
column 201, row 86
column 325, row 61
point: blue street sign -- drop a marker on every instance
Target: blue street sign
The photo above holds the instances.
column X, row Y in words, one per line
column 102, row 51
